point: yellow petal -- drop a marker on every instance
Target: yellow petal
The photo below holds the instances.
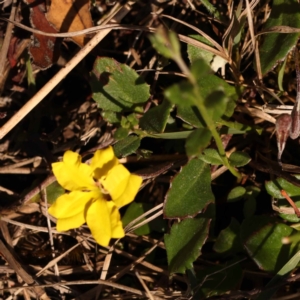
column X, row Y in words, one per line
column 121, row 185
column 132, row 188
column 117, row 230
column 73, row 175
column 116, row 180
column 70, row 223
column 102, row 161
column 68, row 205
column 99, row 222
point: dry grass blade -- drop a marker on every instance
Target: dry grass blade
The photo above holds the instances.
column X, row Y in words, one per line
column 254, row 42
column 8, row 36
column 144, row 285
column 202, row 33
column 257, row 113
column 131, row 225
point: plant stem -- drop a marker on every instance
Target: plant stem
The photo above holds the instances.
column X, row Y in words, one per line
column 199, row 102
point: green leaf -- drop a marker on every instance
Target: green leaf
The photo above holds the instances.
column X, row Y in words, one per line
column 208, row 84
column 135, row 210
column 183, row 198
column 190, row 115
column 166, row 43
column 276, row 46
column 239, row 159
column 111, row 116
column 281, row 276
column 262, row 237
column 116, row 87
column 197, row 141
column 156, row 118
column 127, row 146
column 212, row 9
column 274, row 188
column 211, row 156
column 53, row 191
column 181, row 93
column 236, row 194
column 281, row 74
column 228, row 240
column 200, row 68
column 133, row 119
column 121, row 133
column 216, row 104
column 184, row 243
column 195, row 53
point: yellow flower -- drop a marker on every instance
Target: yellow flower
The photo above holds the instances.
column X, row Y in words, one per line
column 97, row 191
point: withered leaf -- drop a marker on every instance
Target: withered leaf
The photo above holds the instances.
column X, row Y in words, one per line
column 44, row 50
column 71, row 15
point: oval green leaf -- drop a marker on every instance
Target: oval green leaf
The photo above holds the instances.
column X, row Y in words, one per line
column 211, row 156
column 239, row 159
column 228, row 240
column 190, row 191
column 236, row 194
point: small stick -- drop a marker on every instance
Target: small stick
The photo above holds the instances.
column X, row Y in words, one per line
column 287, row 197
column 7, row 38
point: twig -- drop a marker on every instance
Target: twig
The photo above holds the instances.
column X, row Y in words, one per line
column 45, row 198
column 142, row 282
column 7, row 38
column 287, row 197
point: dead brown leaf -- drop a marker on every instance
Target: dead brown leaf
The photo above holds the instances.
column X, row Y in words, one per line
column 71, row 15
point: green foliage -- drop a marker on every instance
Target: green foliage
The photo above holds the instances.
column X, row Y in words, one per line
column 262, row 237
column 121, row 133
column 184, row 243
column 135, row 210
column 275, row 46
column 166, row 43
column 211, row 156
column 239, row 159
column 116, row 87
column 228, row 240
column 155, row 119
column 195, row 53
column 127, row 146
column 280, row 277
column 220, row 101
column 274, row 188
column 236, row 194
column 205, row 103
column 197, row 141
column 190, row 191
